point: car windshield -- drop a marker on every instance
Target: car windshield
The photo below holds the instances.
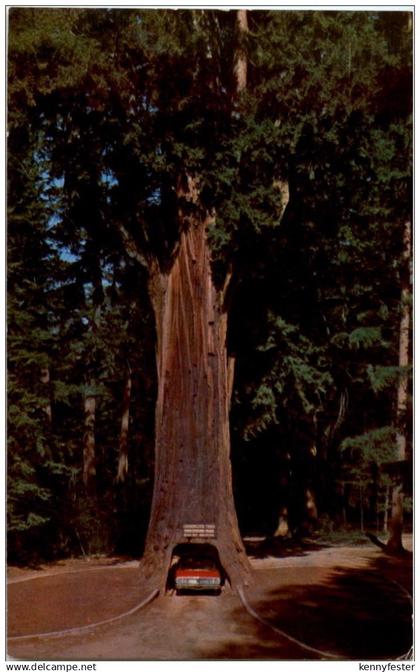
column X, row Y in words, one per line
column 197, row 563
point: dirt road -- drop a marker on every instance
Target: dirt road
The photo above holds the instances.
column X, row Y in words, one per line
column 351, row 603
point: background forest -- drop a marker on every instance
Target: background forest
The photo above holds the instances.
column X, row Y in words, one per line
column 104, row 106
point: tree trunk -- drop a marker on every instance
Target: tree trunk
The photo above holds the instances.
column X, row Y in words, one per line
column 311, row 510
column 193, row 480
column 89, row 457
column 310, row 505
column 125, row 422
column 241, row 61
column 193, row 474
column 362, row 514
column 386, row 509
column 395, row 523
column 404, row 349
column 231, row 376
column 283, row 529
column 395, row 526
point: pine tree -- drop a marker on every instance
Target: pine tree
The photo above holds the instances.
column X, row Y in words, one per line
column 32, row 461
column 257, row 159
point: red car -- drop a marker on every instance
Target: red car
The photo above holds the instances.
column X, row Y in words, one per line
column 197, row 574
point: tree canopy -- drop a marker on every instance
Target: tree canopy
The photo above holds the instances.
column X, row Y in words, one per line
column 108, row 108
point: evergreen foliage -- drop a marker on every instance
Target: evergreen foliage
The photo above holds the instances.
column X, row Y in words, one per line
column 107, row 107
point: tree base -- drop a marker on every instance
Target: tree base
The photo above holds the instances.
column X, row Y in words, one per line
column 390, row 547
column 234, row 564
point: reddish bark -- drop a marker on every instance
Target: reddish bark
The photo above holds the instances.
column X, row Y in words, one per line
column 193, row 477
column 241, row 61
column 193, row 481
column 89, row 458
column 395, row 524
column 231, row 376
column 283, row 529
column 125, row 422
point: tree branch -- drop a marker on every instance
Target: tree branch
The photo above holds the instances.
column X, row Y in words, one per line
column 227, row 283
column 131, row 247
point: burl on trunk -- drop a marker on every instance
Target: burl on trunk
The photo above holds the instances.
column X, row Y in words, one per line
column 193, row 480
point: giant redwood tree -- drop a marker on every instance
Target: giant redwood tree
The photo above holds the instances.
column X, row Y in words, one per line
column 176, row 139
column 193, row 479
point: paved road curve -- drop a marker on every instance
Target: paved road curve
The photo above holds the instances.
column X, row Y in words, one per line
column 350, row 602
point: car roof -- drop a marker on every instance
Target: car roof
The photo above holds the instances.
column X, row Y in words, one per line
column 197, row 558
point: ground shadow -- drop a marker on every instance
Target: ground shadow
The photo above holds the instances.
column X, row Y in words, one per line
column 324, row 601
column 353, row 614
column 278, row 547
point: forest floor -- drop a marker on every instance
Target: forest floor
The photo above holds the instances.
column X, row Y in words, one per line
column 315, row 602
